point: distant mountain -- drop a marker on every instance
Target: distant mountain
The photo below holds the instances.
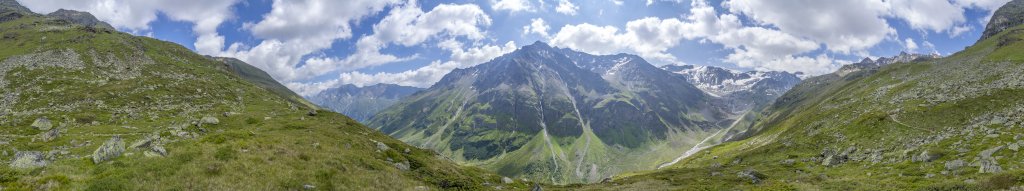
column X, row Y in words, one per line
column 558, row 115
column 361, row 103
column 744, row 90
column 868, row 63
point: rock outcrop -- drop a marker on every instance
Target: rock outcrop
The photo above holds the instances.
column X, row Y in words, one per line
column 111, row 149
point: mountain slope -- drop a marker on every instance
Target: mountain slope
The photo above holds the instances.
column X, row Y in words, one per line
column 84, row 108
column 262, row 79
column 945, row 124
column 361, row 103
column 557, row 115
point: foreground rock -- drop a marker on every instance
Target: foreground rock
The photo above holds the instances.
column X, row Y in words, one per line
column 28, row 160
column 109, row 150
column 210, row 120
column 42, row 124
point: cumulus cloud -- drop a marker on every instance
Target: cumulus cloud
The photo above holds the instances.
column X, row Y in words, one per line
column 295, row 29
column 428, row 75
column 537, row 26
column 844, row 26
column 937, row 16
column 566, row 7
column 406, row 25
column 753, row 47
column 512, row 5
column 910, row 45
column 205, row 15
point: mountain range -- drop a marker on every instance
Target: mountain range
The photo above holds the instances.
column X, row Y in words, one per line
column 558, row 115
column 361, row 103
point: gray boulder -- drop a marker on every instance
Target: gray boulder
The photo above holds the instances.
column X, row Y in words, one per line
column 42, row 124
column 109, row 150
column 754, row 176
column 382, row 147
column 28, row 160
column 925, row 156
column 209, row 120
column 507, row 180
column 989, row 166
column 50, row 135
column 954, row 164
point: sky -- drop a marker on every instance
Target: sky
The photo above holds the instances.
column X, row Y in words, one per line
column 312, row 45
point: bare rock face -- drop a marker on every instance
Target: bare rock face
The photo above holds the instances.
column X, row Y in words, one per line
column 109, row 150
column 1007, row 16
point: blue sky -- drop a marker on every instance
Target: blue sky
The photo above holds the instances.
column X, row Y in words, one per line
column 311, row 45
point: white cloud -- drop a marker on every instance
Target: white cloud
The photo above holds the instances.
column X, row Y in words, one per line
column 934, row 15
column 844, row 26
column 427, row 75
column 537, row 26
column 910, row 45
column 512, row 5
column 406, row 25
column 566, row 7
column 590, row 38
column 619, row 2
column 294, row 29
column 205, row 15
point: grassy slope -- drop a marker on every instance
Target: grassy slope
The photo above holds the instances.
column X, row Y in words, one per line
column 268, row 145
column 947, row 106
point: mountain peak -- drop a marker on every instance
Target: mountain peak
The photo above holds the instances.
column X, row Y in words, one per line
column 1007, row 16
column 13, row 5
column 79, row 17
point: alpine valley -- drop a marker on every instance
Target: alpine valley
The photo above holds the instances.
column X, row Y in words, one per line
column 99, row 101
column 562, row 116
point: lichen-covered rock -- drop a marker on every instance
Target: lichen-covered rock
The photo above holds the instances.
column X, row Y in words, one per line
column 109, row 150
column 209, row 120
column 50, row 135
column 42, row 124
column 754, row 176
column 955, row 164
column 28, row 159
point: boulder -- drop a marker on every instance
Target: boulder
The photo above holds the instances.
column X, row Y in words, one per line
column 109, row 150
column 42, row 124
column 404, row 165
column 989, row 166
column 954, row 164
column 754, row 176
column 209, row 120
column 50, row 135
column 507, row 180
column 925, row 156
column 28, row 160
column 312, row 112
column 382, row 147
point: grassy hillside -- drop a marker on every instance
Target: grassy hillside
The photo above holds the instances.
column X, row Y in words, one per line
column 947, row 124
column 184, row 122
